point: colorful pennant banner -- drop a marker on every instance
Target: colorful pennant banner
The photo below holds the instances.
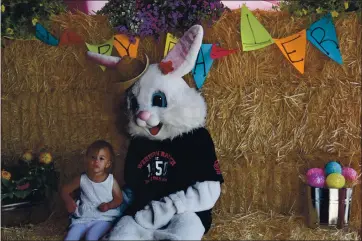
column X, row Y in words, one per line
column 171, row 41
column 125, row 47
column 218, row 52
column 43, row 35
column 254, row 36
column 202, row 65
column 322, row 34
column 293, row 48
column 68, row 37
column 104, row 49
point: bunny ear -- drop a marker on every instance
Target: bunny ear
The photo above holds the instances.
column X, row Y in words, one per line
column 181, row 59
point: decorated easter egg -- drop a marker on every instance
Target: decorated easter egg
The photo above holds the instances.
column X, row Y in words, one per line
column 318, row 171
column 349, row 174
column 333, row 167
column 316, row 180
column 335, row 180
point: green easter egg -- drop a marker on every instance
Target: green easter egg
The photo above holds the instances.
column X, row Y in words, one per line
column 335, row 180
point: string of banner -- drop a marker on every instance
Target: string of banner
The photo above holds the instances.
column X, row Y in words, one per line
column 322, row 34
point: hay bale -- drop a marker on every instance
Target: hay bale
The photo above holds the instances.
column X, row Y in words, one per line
column 269, row 123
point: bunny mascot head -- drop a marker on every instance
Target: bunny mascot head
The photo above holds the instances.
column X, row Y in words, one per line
column 171, row 166
column 161, row 105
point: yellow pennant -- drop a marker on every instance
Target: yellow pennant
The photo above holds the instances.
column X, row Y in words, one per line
column 105, row 49
column 125, row 47
column 293, row 48
column 171, row 41
column 253, row 34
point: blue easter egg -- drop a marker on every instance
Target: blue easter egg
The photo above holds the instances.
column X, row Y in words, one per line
column 333, row 167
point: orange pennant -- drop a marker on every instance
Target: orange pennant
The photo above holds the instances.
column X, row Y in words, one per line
column 68, row 37
column 293, row 48
column 125, row 47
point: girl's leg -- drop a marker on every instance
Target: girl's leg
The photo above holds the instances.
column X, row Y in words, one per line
column 97, row 230
column 76, row 232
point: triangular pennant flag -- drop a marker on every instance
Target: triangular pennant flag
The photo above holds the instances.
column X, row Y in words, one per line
column 202, row 65
column 124, row 46
column 322, row 34
column 171, row 41
column 253, row 34
column 43, row 35
column 293, row 48
column 105, row 48
column 218, row 52
column 68, row 37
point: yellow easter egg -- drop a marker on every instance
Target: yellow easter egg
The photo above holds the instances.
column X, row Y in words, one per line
column 335, row 180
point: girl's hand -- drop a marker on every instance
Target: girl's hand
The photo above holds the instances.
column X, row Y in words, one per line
column 71, row 206
column 103, row 207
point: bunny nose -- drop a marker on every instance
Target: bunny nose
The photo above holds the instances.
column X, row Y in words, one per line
column 144, row 115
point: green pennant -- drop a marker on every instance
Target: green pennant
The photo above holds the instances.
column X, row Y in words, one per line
column 253, row 34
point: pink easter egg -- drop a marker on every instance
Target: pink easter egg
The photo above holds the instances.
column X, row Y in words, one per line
column 349, row 173
column 316, row 180
column 318, row 171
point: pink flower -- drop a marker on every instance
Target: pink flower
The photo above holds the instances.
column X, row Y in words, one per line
column 23, row 187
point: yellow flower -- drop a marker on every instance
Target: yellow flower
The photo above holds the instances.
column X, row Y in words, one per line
column 34, row 21
column 319, row 10
column 40, row 4
column 9, row 31
column 2, row 8
column 304, row 11
column 27, row 156
column 334, row 14
column 45, row 157
column 6, row 175
column 346, row 5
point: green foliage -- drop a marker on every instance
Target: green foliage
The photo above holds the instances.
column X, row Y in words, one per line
column 309, row 7
column 29, row 181
column 19, row 16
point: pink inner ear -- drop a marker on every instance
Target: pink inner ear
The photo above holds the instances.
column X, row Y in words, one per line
column 178, row 53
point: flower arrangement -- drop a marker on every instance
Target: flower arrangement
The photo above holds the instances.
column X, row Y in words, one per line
column 308, row 7
column 18, row 17
column 154, row 17
column 33, row 178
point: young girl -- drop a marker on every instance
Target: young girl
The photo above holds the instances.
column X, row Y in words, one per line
column 100, row 196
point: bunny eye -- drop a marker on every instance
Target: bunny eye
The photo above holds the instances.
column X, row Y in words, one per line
column 159, row 99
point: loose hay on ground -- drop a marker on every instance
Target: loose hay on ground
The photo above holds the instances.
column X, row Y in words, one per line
column 252, row 226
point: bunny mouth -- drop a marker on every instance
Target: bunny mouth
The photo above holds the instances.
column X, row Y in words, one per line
column 155, row 130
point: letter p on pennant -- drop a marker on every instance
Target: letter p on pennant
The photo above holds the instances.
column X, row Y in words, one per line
column 293, row 48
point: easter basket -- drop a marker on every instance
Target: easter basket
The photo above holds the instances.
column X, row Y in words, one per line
column 328, row 195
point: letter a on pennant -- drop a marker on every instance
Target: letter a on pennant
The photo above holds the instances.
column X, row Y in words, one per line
column 253, row 34
column 105, row 49
column 124, row 46
column 171, row 41
column 293, row 48
column 322, row 34
column 202, row 65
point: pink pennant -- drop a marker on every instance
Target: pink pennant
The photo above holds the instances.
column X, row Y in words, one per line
column 218, row 52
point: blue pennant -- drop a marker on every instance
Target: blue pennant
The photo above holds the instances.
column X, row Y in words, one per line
column 322, row 34
column 202, row 65
column 43, row 35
